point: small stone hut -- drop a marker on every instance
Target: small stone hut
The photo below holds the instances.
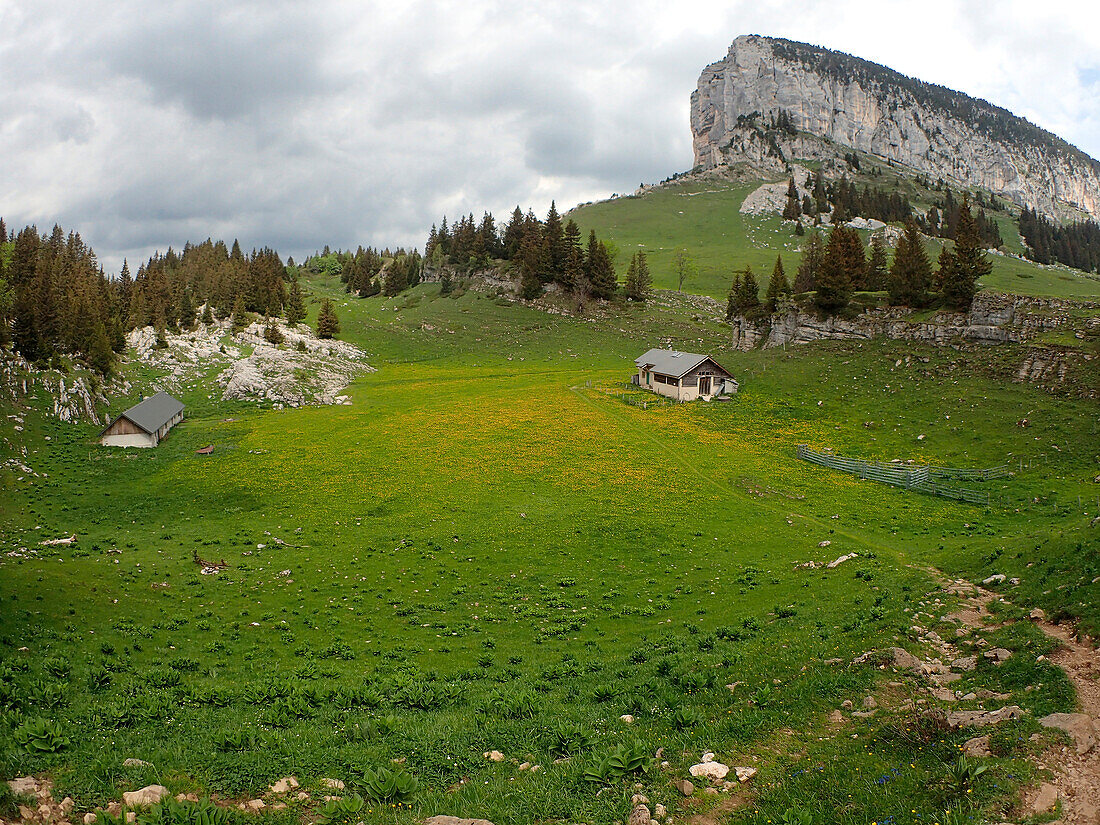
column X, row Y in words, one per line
column 684, row 376
column 144, row 424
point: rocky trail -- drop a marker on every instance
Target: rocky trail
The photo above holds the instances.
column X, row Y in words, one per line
column 1076, row 766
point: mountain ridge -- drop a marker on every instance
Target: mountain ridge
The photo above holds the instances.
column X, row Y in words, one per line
column 771, row 100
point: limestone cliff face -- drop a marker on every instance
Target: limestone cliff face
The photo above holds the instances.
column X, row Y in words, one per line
column 833, row 101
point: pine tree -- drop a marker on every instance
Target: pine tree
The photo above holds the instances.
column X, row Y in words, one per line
column 732, row 296
column 777, row 286
column 748, row 297
column 793, row 210
column 834, row 286
column 101, row 357
column 971, row 263
column 554, row 235
column 239, row 316
column 599, row 270
column 813, row 251
column 295, row 305
column 186, row 311
column 911, row 275
column 639, row 283
column 877, row 265
column 328, row 325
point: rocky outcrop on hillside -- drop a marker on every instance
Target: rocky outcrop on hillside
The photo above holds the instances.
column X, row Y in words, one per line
column 303, row 369
column 770, row 101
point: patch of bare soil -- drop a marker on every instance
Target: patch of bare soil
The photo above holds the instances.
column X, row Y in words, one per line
column 1076, row 774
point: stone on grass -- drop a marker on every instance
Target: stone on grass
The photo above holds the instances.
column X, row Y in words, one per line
column 627, row 718
column 996, row 578
column 67, row 805
column 660, row 811
column 23, row 785
column 977, row 747
column 684, row 786
column 1045, row 799
column 285, row 785
column 255, row 804
column 90, row 819
column 869, row 702
column 714, row 771
column 639, row 816
column 149, row 795
column 454, row 820
column 130, row 762
column 494, row 756
column 1037, row 614
column 335, row 784
column 998, row 654
column 1078, row 725
column 744, row 774
column 981, row 718
column 839, row 561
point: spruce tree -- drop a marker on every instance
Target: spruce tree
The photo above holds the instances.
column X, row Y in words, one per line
column 101, row 357
column 733, row 296
column 911, row 275
column 295, row 305
column 328, row 325
column 813, row 251
column 186, row 311
column 777, row 286
column 877, row 264
column 239, row 316
column 599, row 270
column 639, row 283
column 971, row 263
column 207, row 315
column 834, row 286
column 748, row 297
column 793, row 210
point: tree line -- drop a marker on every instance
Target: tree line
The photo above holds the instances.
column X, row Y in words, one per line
column 1076, row 244
column 368, row 272
column 542, row 252
column 56, row 301
column 836, row 268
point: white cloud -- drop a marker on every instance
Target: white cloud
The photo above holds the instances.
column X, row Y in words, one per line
column 299, row 124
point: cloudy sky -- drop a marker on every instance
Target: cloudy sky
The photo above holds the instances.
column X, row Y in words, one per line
column 298, row 124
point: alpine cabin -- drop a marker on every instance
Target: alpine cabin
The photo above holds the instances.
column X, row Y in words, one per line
column 684, row 376
column 144, row 424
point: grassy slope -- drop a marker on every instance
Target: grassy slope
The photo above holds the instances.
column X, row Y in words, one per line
column 703, row 218
column 489, row 513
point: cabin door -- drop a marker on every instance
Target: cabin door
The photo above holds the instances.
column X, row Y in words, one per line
column 704, row 385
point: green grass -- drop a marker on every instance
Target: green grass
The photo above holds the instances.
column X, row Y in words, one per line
column 704, row 219
column 490, row 550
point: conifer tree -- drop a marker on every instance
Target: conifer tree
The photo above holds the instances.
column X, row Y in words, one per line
column 639, row 283
column 554, row 235
column 911, row 275
column 732, row 296
column 100, row 355
column 877, row 264
column 186, row 311
column 599, row 270
column 813, row 251
column 793, row 210
column 328, row 325
column 959, row 285
column 239, row 317
column 295, row 306
column 207, row 315
column 777, row 286
column 834, row 286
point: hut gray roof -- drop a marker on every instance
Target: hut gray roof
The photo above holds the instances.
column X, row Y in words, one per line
column 152, row 413
column 673, row 362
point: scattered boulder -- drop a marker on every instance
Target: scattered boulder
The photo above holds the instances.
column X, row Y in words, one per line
column 981, row 718
column 627, row 718
column 660, row 811
column 998, row 654
column 836, row 717
column 744, row 774
column 869, row 702
column 1037, row 614
column 144, row 797
column 684, row 786
column 23, row 786
column 1078, row 725
column 839, row 561
column 494, row 756
column 454, row 820
column 714, row 771
column 996, row 578
column 895, row 656
column 284, row 785
column 977, row 747
column 639, row 816
column 965, row 663
column 136, row 763
column 1045, row 799
column 334, row 784
column 90, row 819
column 255, row 805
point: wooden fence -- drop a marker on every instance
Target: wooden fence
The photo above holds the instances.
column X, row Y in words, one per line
column 930, row 480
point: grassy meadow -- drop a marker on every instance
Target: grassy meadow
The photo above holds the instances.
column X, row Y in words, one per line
column 490, row 550
column 703, row 217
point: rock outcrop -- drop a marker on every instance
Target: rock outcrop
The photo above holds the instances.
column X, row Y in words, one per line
column 771, row 101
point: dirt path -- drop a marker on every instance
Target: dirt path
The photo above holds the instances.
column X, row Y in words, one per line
column 1076, row 776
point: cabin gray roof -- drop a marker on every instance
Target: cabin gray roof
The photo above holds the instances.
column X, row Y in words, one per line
column 673, row 362
column 152, row 413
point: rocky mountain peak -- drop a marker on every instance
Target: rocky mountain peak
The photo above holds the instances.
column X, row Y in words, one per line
column 770, row 101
